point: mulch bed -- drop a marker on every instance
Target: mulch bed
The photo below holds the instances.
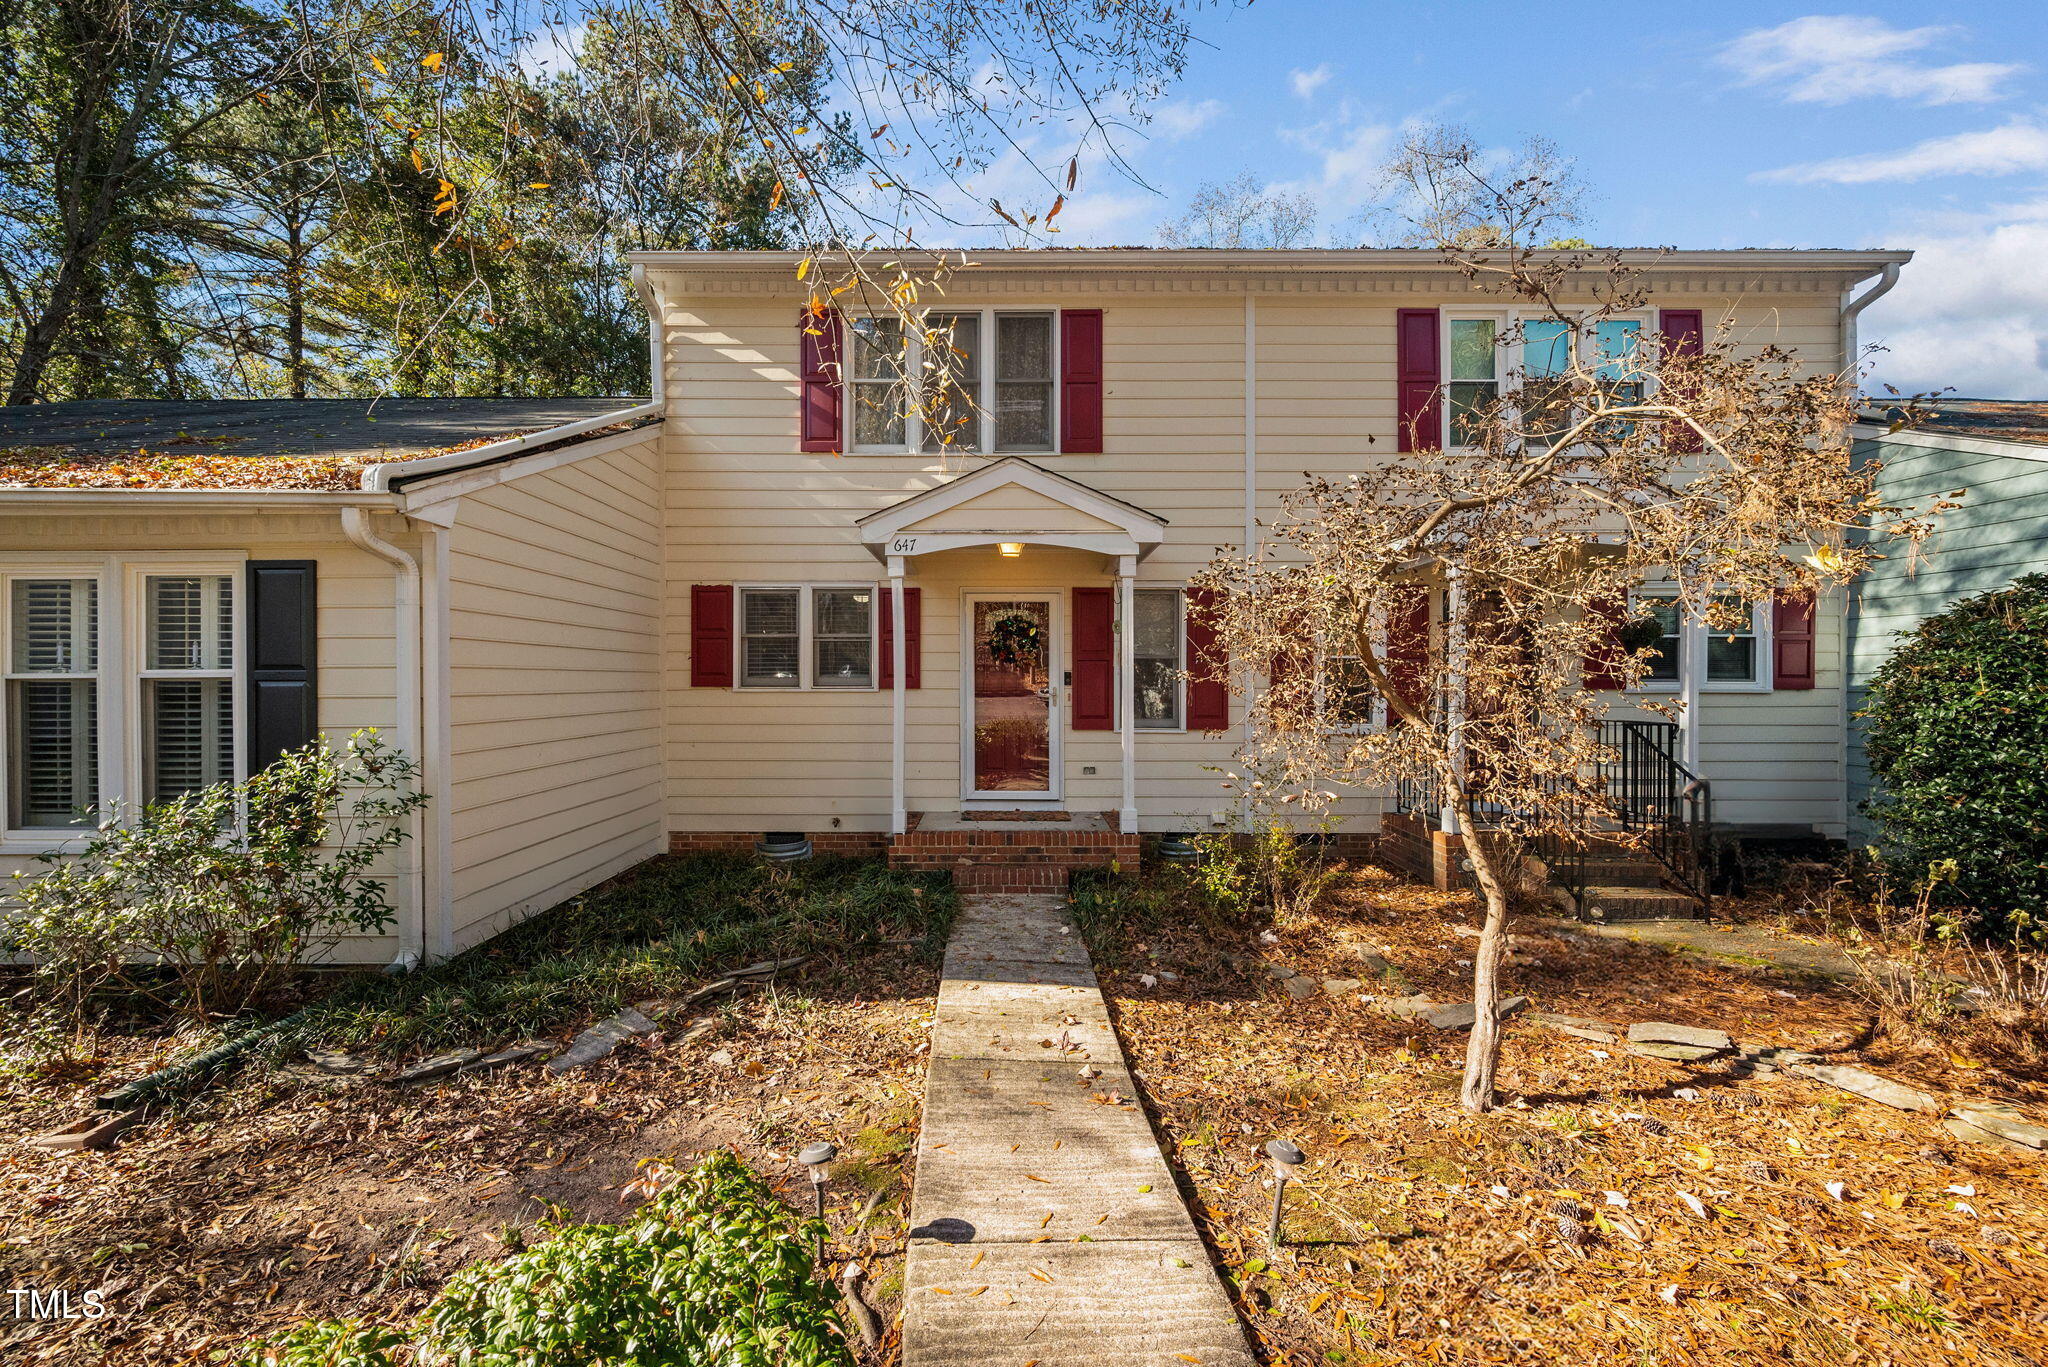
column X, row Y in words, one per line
column 1616, row 1208
column 289, row 1195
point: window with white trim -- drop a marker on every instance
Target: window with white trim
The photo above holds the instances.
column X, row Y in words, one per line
column 954, row 366
column 1472, row 375
column 807, row 636
column 1477, row 369
column 1349, row 699
column 1730, row 660
column 187, row 683
column 1158, row 639
column 52, row 702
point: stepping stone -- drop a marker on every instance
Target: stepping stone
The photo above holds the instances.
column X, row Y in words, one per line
column 1339, row 987
column 1869, row 1086
column 439, row 1066
column 334, row 1063
column 93, row 1132
column 1584, row 1027
column 1408, row 1008
column 516, row 1053
column 1674, row 1053
column 1772, row 1060
column 2003, row 1121
column 1460, row 1015
column 1280, row 971
column 600, row 1039
column 1301, row 989
column 1661, row 1032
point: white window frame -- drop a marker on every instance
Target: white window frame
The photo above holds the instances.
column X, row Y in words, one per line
column 1692, row 651
column 1510, row 372
column 122, row 652
column 1180, row 664
column 806, row 628
column 913, row 357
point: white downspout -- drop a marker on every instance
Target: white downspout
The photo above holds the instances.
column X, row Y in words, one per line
column 1887, row 277
column 355, row 525
column 655, row 378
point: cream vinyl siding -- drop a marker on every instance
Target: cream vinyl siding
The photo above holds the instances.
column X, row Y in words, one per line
column 743, row 505
column 554, row 686
column 356, row 617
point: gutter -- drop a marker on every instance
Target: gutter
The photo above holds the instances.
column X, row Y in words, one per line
column 1887, row 277
column 406, row 638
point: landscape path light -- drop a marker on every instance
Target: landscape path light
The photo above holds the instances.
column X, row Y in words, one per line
column 1286, row 1158
column 815, row 1157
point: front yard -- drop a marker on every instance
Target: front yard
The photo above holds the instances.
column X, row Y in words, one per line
column 1617, row 1208
column 290, row 1193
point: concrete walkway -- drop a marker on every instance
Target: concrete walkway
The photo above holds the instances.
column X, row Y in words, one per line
column 1045, row 1223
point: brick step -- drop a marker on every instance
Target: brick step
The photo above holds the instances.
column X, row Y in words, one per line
column 1624, row 903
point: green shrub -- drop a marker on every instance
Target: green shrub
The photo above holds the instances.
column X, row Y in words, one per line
column 202, row 903
column 713, row 1271
column 1956, row 727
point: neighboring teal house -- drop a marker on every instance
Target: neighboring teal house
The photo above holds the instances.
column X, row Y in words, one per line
column 1996, row 453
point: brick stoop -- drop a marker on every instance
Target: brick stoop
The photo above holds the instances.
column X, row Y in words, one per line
column 1025, row 856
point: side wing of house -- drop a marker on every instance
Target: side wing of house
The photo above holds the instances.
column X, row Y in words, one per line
column 1999, row 533
column 552, row 679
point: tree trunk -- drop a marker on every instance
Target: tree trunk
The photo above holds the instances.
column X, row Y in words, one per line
column 295, row 307
column 1482, row 1050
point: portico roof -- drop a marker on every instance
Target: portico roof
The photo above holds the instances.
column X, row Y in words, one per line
column 1011, row 500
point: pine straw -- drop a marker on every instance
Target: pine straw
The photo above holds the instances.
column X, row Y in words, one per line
column 289, row 1196
column 1402, row 1251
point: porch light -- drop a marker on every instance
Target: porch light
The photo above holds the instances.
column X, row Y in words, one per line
column 1013, row 549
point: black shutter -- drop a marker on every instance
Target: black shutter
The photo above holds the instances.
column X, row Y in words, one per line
column 284, row 646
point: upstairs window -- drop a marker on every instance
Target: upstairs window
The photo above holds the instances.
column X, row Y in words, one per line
column 1474, row 376
column 985, row 378
column 52, row 703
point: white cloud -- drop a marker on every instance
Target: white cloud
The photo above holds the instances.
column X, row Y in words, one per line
column 1835, row 58
column 2018, row 145
column 552, row 51
column 1350, row 158
column 1307, row 83
column 1184, row 119
column 1970, row 311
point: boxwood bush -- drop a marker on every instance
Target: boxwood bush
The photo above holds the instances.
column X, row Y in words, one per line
column 712, row 1272
column 1957, row 736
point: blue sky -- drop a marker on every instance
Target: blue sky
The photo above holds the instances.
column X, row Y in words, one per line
column 1703, row 125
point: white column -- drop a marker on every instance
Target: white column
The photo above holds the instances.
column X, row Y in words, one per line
column 899, row 820
column 1692, row 662
column 1454, row 705
column 1127, row 670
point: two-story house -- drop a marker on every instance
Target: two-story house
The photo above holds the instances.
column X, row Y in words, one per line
column 770, row 601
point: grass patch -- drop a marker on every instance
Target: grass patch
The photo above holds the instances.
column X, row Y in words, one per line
column 658, row 930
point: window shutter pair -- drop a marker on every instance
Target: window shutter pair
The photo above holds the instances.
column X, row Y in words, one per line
column 821, row 337
column 1792, row 644
column 711, row 634
column 1095, row 652
column 283, row 657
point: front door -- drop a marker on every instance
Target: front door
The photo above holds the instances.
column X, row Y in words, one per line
column 1012, row 723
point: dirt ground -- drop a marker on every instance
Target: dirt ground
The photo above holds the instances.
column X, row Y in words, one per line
column 1616, row 1209
column 289, row 1195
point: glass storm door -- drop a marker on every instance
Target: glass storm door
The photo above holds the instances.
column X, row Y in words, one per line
column 1010, row 719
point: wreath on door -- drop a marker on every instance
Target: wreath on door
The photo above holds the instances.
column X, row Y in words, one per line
column 1016, row 640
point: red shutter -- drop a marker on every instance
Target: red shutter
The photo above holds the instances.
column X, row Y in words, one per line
column 1792, row 641
column 1683, row 332
column 1418, row 373
column 913, row 637
column 1208, row 690
column 1081, row 381
column 818, row 348
column 1094, row 659
column 711, row 636
column 1408, row 647
column 1603, row 661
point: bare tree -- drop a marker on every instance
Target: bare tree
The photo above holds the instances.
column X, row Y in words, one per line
column 1242, row 212
column 1719, row 469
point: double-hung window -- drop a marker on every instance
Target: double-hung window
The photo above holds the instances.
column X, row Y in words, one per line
column 807, row 636
column 1158, row 639
column 1474, row 376
column 187, row 683
column 52, row 702
column 1728, row 658
column 980, row 380
column 1349, row 700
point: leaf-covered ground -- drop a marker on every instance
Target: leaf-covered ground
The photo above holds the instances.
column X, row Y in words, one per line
column 1617, row 1209
column 289, row 1195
